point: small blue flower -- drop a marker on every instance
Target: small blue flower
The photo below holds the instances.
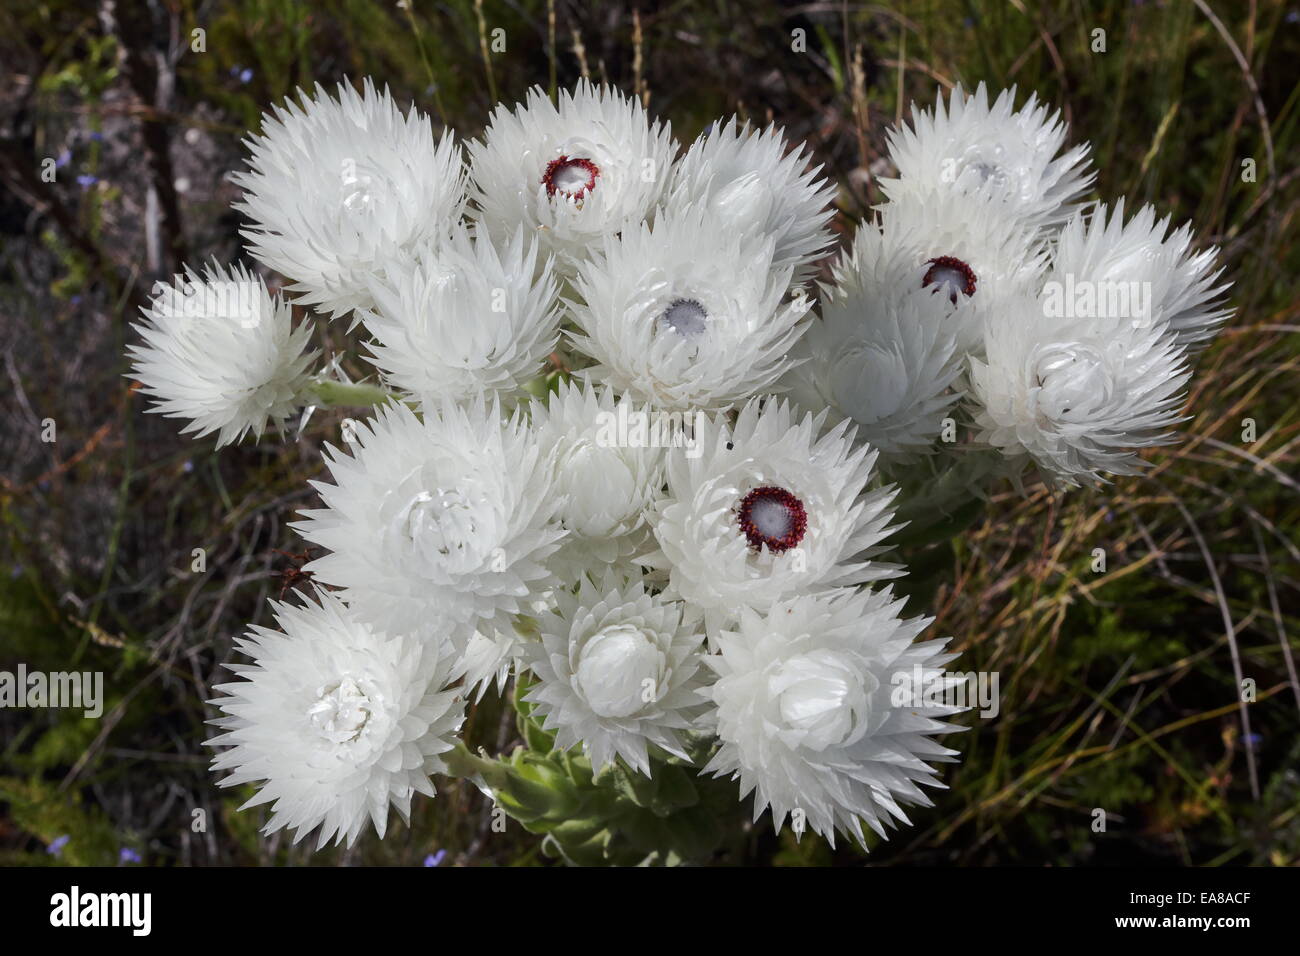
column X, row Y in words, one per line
column 433, row 859
column 1253, row 741
column 97, row 137
column 188, row 466
column 56, row 848
column 128, row 855
column 245, row 76
column 85, row 180
column 64, row 158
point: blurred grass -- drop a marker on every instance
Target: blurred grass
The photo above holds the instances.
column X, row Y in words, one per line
column 1118, row 688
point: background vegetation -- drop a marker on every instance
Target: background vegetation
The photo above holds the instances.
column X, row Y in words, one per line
column 1119, row 689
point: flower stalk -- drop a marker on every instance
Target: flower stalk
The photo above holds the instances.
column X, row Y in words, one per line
column 334, row 394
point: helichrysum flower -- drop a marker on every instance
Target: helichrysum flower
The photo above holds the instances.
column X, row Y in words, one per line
column 769, row 510
column 806, row 711
column 680, row 542
column 748, row 181
column 573, row 172
column 464, row 318
column 619, row 670
column 883, row 355
column 339, row 189
column 991, row 154
column 972, row 254
column 1136, row 271
column 335, row 720
column 221, row 351
column 438, row 525
column 687, row 314
column 608, row 470
column 1080, row 398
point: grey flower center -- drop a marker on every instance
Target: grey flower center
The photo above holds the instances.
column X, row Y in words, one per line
column 686, row 317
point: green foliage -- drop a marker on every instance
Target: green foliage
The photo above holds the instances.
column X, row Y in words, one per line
column 39, row 808
column 24, row 619
column 615, row 817
column 89, row 76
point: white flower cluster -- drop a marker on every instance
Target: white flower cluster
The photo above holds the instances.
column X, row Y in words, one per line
column 622, row 453
column 984, row 298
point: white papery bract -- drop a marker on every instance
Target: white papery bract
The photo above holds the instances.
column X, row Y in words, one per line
column 619, row 671
column 806, row 713
column 1080, row 399
column 464, row 318
column 884, row 355
column 608, row 460
column 339, row 189
column 769, row 510
column 337, row 720
column 687, row 314
column 487, row 659
column 748, row 181
column 991, row 154
column 1149, row 273
column 221, row 351
column 573, row 172
column 973, row 254
column 440, row 526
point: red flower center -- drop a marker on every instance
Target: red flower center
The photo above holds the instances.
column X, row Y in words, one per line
column 773, row 517
column 950, row 273
column 573, row 178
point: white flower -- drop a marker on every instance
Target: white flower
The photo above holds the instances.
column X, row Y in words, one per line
column 747, row 180
column 995, row 155
column 767, row 511
column 1080, row 399
column 687, row 313
column 608, row 471
column 883, row 355
column 340, row 188
column 464, row 319
column 437, row 526
column 972, row 254
column 574, row 172
column 807, row 715
column 487, row 658
column 221, row 351
column 1152, row 275
column 339, row 721
column 619, row 670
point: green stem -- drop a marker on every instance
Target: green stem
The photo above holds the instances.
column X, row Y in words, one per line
column 332, row 394
column 462, row 763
